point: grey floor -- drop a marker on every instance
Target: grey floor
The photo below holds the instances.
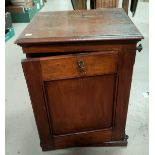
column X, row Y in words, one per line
column 21, row 132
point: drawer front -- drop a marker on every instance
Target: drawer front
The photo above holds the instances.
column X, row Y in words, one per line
column 71, row 66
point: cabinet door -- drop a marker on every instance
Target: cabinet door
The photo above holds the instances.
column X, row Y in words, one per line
column 74, row 94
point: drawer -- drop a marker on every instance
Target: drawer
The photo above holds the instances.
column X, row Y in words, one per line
column 71, row 66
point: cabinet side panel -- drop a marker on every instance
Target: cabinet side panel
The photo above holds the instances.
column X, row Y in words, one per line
column 127, row 59
column 33, row 78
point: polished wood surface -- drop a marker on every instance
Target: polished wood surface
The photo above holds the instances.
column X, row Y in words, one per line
column 63, row 67
column 69, row 26
column 80, row 88
column 43, row 50
column 81, row 99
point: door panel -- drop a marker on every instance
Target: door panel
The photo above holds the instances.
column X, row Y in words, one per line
column 79, row 91
column 81, row 104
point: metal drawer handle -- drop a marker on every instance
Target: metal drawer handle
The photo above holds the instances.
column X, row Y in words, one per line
column 81, row 66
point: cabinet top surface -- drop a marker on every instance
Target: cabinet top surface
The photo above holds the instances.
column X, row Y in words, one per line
column 73, row 26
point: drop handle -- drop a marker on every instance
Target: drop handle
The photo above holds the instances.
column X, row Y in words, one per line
column 81, row 66
column 139, row 48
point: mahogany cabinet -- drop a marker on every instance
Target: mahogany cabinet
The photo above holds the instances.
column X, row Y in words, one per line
column 78, row 71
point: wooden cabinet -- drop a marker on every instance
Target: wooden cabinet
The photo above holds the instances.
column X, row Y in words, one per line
column 79, row 76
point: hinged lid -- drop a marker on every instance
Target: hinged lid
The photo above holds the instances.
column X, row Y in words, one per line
column 73, row 26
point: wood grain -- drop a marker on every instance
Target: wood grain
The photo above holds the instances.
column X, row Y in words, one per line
column 32, row 72
column 83, row 139
column 125, row 77
column 69, row 26
column 79, row 76
column 83, row 103
column 62, row 67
